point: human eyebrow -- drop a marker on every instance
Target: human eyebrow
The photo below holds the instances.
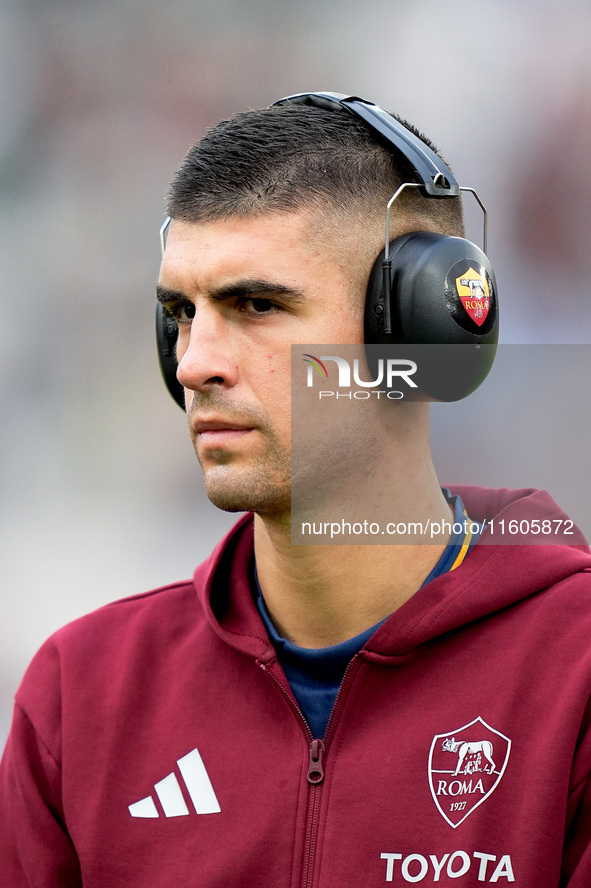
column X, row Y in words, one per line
column 168, row 298
column 251, row 287
column 239, row 289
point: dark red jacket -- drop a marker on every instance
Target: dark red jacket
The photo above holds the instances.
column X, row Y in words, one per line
column 156, row 742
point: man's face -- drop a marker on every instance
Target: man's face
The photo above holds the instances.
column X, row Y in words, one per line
column 243, row 290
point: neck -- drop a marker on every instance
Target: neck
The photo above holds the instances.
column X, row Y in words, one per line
column 323, row 594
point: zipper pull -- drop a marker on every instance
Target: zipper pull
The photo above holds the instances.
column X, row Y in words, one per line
column 315, row 772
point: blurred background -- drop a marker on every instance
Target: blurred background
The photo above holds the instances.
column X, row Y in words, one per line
column 100, row 491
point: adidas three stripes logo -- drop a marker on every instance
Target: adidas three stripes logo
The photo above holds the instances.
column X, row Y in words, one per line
column 169, row 792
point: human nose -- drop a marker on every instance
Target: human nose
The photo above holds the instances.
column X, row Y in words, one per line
column 205, row 353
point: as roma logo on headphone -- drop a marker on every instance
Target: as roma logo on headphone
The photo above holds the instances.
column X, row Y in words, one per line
column 471, row 297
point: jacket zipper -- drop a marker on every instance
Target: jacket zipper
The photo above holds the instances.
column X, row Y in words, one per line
column 350, row 671
column 315, row 775
column 290, row 700
column 315, row 771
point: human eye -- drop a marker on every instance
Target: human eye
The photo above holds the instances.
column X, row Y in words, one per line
column 180, row 310
column 257, row 306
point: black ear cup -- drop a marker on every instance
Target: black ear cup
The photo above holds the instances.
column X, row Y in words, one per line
column 439, row 292
column 166, row 337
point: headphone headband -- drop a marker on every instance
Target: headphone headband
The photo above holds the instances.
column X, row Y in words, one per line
column 436, row 178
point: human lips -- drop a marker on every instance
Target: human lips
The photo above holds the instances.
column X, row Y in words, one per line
column 218, row 431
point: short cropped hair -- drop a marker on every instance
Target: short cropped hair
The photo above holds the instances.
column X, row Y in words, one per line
column 293, row 156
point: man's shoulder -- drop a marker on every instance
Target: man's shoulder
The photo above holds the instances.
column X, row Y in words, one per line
column 162, row 610
column 101, row 639
column 130, row 614
column 127, row 632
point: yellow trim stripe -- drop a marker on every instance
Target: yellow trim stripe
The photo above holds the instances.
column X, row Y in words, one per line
column 465, row 545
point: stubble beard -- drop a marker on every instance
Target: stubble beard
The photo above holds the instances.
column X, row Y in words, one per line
column 263, row 483
column 263, row 488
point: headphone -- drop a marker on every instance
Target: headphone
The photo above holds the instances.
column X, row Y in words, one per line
column 424, row 290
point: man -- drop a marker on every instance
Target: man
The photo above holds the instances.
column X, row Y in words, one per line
column 309, row 715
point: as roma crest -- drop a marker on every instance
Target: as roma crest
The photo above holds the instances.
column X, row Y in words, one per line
column 470, row 297
column 475, row 295
column 465, row 767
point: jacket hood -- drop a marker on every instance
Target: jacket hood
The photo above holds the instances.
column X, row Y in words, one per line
column 494, row 576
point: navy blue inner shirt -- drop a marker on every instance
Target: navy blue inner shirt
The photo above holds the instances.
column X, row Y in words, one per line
column 315, row 674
